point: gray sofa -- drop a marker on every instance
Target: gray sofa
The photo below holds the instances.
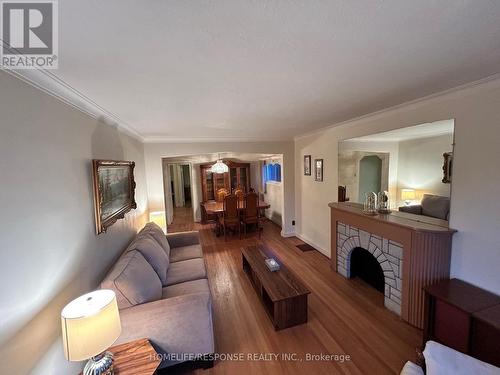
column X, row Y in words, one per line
column 163, row 294
column 432, row 206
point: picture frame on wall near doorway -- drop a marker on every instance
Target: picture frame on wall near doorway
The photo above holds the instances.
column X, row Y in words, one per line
column 318, row 170
column 307, row 165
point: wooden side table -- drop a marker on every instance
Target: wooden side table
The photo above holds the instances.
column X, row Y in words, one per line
column 485, row 335
column 463, row 317
column 135, row 358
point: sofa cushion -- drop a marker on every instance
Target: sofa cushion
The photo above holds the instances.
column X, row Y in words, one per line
column 442, row 360
column 133, row 280
column 153, row 253
column 189, row 287
column 186, row 270
column 413, row 209
column 411, row 368
column 178, row 254
column 181, row 239
column 435, row 206
column 174, row 326
column 157, row 233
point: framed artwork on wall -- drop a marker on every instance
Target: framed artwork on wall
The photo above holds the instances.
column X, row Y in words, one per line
column 447, row 167
column 307, row 165
column 318, row 169
column 114, row 191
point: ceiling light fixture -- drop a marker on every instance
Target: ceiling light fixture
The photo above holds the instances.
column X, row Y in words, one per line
column 219, row 167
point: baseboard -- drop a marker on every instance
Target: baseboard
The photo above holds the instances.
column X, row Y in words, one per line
column 313, row 244
column 287, row 234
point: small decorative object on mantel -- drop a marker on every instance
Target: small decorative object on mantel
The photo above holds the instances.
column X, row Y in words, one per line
column 447, row 167
column 307, row 165
column 383, row 203
column 370, row 206
column 114, row 190
column 272, row 264
column 318, row 169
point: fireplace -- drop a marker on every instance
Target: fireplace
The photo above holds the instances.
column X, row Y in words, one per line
column 375, row 259
column 365, row 266
column 411, row 250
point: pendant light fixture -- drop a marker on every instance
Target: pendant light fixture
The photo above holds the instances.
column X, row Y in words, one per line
column 219, row 167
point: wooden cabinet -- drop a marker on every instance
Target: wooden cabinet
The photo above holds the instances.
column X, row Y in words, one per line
column 237, row 177
column 465, row 318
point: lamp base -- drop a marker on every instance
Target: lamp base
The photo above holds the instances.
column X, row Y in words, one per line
column 101, row 364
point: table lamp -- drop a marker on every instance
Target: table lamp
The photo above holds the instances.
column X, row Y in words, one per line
column 90, row 325
column 407, row 195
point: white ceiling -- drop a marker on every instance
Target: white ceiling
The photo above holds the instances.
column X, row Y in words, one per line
column 433, row 129
column 268, row 69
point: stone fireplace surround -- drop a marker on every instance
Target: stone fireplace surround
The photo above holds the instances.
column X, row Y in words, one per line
column 389, row 255
column 412, row 250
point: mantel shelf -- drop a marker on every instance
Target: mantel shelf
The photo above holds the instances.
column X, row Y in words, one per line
column 418, row 223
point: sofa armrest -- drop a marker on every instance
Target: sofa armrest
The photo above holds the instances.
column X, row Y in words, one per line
column 183, row 239
column 414, row 209
column 177, row 325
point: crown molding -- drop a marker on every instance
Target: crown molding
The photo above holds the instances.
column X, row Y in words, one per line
column 54, row 86
column 164, row 139
column 397, row 107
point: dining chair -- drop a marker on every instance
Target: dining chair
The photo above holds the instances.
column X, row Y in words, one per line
column 251, row 213
column 239, row 193
column 207, row 218
column 342, row 194
column 221, row 194
column 230, row 217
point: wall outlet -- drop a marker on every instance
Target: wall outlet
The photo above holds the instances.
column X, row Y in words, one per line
column 293, row 222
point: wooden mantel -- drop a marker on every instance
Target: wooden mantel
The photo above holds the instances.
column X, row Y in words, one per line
column 426, row 249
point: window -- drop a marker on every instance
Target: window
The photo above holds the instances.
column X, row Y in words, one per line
column 271, row 172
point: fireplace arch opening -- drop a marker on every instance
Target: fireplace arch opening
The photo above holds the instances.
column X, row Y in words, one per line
column 365, row 266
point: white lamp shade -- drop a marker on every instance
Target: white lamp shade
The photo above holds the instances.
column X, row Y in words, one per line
column 219, row 167
column 90, row 325
column 407, row 194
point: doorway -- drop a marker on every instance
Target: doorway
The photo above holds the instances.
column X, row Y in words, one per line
column 179, row 198
column 180, row 185
column 370, row 175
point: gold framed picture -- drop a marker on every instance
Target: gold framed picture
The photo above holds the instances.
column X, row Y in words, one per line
column 114, row 191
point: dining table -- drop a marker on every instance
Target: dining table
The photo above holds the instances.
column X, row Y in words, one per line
column 217, row 208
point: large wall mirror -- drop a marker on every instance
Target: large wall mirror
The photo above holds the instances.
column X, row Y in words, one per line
column 413, row 165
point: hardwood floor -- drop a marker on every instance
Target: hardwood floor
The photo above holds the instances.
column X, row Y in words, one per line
column 346, row 317
column 183, row 220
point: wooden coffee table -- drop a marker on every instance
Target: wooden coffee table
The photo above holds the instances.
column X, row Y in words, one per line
column 283, row 295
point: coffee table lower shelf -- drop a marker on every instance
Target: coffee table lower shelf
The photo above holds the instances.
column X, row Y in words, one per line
column 285, row 312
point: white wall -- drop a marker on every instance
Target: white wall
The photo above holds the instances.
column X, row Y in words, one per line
column 274, row 196
column 420, row 165
column 50, row 253
column 475, row 211
column 154, row 152
column 375, row 147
